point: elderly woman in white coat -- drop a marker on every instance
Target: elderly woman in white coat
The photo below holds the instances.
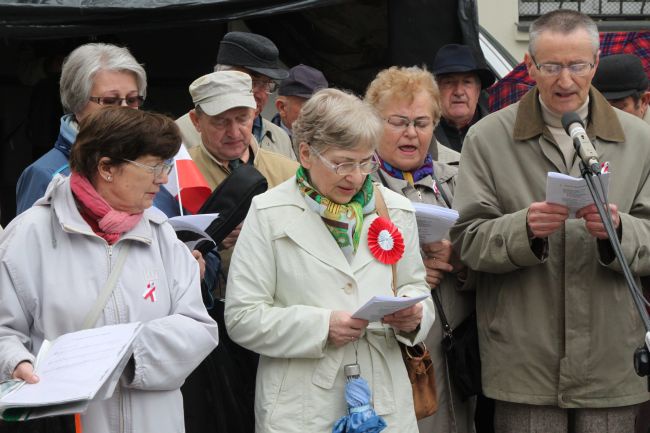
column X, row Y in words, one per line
column 56, row 257
column 303, row 265
column 409, row 102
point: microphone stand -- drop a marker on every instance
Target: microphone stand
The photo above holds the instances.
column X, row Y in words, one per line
column 642, row 354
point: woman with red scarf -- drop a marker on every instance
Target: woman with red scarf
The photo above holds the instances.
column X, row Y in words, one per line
column 408, row 100
column 56, row 257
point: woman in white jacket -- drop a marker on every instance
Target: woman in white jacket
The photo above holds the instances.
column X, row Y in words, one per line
column 55, row 258
column 303, row 265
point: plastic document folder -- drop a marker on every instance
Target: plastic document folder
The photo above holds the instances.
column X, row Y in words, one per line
column 74, row 369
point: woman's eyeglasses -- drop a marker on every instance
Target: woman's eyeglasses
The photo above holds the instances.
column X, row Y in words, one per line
column 131, row 101
column 157, row 170
column 401, row 123
column 345, row 168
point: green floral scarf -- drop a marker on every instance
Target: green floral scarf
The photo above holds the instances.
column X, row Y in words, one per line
column 344, row 221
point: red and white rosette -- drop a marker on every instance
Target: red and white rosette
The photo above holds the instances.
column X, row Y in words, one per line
column 385, row 241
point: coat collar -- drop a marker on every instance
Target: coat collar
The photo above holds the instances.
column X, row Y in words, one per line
column 306, row 228
column 603, row 122
column 60, row 199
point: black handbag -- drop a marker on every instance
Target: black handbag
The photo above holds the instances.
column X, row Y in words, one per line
column 231, row 199
column 460, row 346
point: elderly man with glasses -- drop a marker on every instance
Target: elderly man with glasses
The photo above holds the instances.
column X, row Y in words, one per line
column 557, row 326
column 258, row 57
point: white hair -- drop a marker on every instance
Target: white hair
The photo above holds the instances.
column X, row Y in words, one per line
column 81, row 65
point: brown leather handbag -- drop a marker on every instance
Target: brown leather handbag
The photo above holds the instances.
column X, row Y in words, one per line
column 417, row 359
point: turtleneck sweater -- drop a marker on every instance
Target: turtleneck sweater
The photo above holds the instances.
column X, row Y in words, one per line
column 564, row 142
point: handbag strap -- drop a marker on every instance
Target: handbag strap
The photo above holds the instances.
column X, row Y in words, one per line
column 442, row 191
column 382, row 211
column 93, row 314
column 443, row 318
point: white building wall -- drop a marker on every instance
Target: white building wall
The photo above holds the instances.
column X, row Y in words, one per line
column 499, row 17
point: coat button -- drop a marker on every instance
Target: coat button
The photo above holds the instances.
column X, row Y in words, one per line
column 348, row 288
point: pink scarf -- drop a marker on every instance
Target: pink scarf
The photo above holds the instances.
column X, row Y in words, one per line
column 105, row 221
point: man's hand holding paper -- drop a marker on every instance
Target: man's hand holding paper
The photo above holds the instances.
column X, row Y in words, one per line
column 437, row 261
column 594, row 223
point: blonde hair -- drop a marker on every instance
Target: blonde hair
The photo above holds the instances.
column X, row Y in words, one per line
column 398, row 82
column 338, row 119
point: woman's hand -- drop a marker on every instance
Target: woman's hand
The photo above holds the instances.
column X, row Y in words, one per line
column 25, row 371
column 344, row 329
column 199, row 258
column 437, row 261
column 406, row 320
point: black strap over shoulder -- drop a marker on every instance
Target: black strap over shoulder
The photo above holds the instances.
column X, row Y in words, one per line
column 232, row 199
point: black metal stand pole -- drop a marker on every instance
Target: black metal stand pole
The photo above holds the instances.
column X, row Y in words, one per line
column 641, row 355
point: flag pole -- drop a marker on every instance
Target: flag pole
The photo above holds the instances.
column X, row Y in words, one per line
column 178, row 187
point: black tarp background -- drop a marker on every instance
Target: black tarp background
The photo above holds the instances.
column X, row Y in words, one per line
column 177, row 41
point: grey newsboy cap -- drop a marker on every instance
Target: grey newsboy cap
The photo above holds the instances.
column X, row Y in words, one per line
column 619, row 76
column 220, row 91
column 251, row 51
column 303, row 81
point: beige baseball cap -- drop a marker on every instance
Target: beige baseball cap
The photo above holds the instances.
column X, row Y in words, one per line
column 221, row 91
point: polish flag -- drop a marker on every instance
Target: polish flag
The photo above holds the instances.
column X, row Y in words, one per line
column 188, row 180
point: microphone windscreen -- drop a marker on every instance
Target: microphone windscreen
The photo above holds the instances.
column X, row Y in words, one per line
column 569, row 119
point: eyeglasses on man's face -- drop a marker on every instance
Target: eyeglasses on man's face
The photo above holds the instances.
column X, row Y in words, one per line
column 157, row 170
column 131, row 101
column 554, row 69
column 345, row 168
column 402, row 123
column 268, row 86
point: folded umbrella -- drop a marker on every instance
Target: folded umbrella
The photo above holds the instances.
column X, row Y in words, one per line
column 361, row 416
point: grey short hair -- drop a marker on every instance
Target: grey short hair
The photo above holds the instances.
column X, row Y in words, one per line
column 563, row 21
column 81, row 65
column 334, row 118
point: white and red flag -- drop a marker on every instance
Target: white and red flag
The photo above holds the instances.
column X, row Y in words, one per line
column 186, row 183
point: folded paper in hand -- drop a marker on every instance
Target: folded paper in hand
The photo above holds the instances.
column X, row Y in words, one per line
column 199, row 221
column 379, row 306
column 74, row 369
column 433, row 221
column 572, row 192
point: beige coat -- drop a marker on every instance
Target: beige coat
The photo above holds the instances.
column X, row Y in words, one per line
column 274, row 139
column 557, row 325
column 453, row 415
column 287, row 275
column 274, row 167
column 443, row 154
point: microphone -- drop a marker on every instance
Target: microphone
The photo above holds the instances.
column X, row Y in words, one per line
column 576, row 129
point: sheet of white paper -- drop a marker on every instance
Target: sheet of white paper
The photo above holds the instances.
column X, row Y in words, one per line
column 200, row 221
column 379, row 306
column 433, row 221
column 570, row 191
column 76, row 366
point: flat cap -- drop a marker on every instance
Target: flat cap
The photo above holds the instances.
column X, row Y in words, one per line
column 302, row 81
column 619, row 76
column 220, row 91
